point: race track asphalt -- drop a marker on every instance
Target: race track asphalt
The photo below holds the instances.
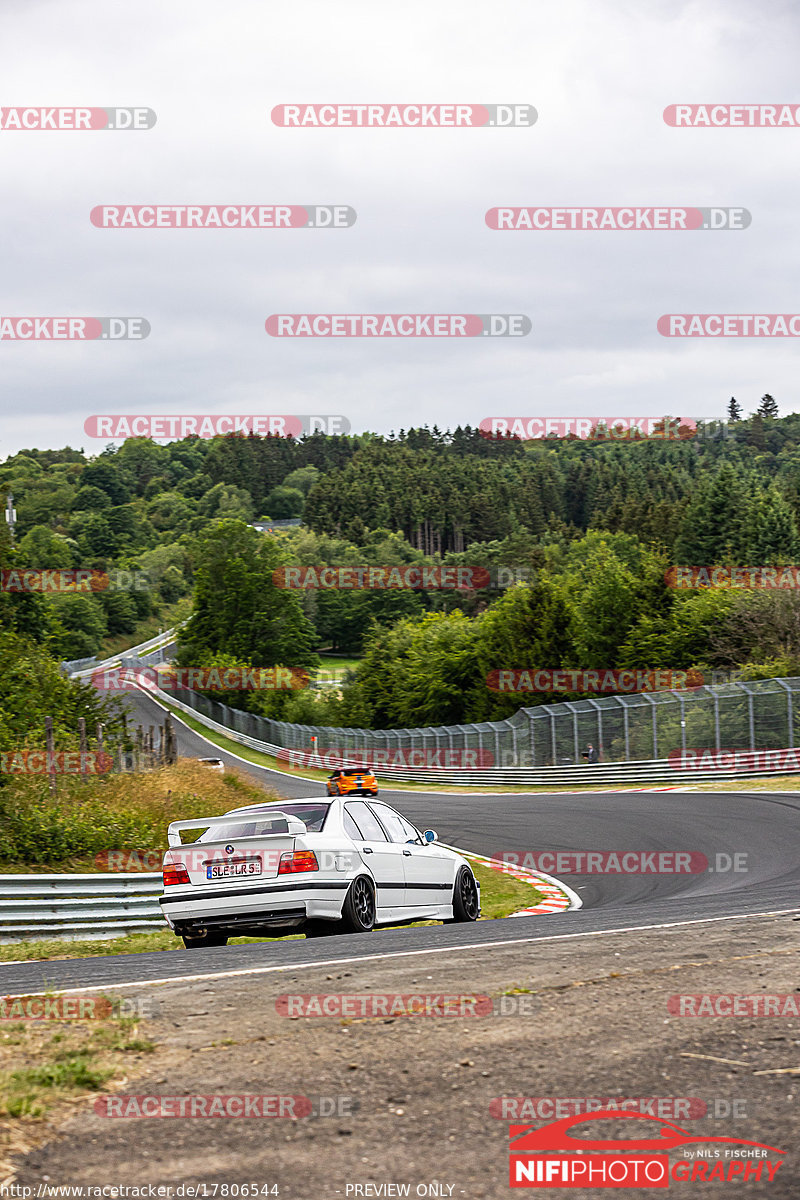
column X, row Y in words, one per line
column 762, row 827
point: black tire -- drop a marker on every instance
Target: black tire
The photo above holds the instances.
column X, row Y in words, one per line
column 206, row 939
column 466, row 898
column 358, row 910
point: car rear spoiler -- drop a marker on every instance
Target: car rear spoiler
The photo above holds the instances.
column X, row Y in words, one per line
column 293, row 825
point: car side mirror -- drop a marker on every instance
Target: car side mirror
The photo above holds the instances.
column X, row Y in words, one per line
column 429, row 835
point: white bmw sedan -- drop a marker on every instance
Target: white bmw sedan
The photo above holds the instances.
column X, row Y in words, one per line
column 310, row 866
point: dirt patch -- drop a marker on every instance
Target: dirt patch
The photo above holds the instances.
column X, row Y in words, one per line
column 414, row 1099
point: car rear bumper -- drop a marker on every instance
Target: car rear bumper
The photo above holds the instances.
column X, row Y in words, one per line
column 255, row 905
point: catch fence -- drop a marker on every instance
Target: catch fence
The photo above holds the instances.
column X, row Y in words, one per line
column 646, row 726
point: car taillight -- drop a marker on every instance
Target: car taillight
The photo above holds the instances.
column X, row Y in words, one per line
column 297, row 860
column 175, row 873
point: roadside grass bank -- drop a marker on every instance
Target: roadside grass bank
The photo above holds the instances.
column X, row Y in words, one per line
column 41, row 831
column 501, row 895
column 167, row 616
column 49, row 1066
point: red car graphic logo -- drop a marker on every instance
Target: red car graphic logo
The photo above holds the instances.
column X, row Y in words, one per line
column 556, row 1136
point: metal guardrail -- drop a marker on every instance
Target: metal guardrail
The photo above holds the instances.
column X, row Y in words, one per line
column 156, row 643
column 598, row 774
column 73, row 906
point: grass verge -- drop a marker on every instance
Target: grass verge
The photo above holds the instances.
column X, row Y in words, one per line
column 49, row 1066
column 64, row 832
column 167, row 616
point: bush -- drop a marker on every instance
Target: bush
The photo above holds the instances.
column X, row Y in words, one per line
column 119, row 812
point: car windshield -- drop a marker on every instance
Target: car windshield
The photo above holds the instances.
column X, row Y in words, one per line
column 313, row 816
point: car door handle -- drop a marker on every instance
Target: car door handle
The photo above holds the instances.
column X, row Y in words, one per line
column 367, row 849
column 407, row 853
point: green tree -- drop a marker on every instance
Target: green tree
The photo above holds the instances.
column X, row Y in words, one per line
column 42, row 548
column 32, row 687
column 238, row 608
column 81, row 626
column 772, row 533
column 715, row 522
column 284, row 502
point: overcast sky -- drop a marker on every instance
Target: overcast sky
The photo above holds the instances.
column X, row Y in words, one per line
column 599, row 75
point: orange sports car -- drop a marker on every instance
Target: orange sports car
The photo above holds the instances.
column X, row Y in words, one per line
column 351, row 782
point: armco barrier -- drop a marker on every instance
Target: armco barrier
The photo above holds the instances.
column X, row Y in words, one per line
column 37, row 906
column 628, row 774
column 144, row 650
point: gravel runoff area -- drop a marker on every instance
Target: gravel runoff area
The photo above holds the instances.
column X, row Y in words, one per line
column 411, row 1097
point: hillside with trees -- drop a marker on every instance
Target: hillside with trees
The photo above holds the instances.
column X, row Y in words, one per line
column 588, row 527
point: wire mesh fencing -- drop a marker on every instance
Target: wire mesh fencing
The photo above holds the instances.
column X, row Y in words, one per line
column 755, row 715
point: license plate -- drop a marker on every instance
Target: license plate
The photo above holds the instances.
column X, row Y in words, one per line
column 233, row 867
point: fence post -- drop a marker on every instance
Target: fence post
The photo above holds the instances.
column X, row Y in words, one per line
column 83, row 746
column 750, row 716
column 576, row 745
column 683, row 724
column 789, row 713
column 625, row 727
column 51, row 751
column 652, row 704
column 717, row 737
column 599, row 727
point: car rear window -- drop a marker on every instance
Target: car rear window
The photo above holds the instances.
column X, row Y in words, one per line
column 312, row 815
column 244, row 829
column 366, row 821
